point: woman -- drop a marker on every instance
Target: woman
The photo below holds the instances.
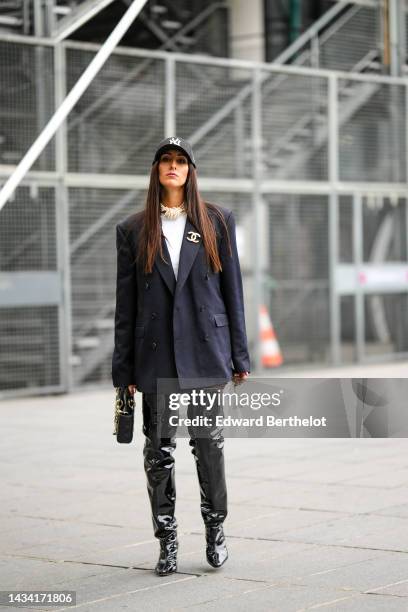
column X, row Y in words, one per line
column 180, row 317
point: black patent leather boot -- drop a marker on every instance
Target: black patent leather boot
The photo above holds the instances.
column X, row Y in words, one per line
column 217, row 552
column 167, row 563
column 209, row 459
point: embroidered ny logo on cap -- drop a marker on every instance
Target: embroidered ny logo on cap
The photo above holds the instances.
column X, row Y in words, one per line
column 174, row 141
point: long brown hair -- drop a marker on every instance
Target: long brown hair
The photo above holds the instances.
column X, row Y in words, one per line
column 198, row 213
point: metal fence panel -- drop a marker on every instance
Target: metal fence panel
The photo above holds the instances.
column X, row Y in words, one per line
column 29, row 326
column 94, row 214
column 384, row 229
column 386, row 324
column 372, row 127
column 347, row 37
column 133, row 103
column 352, row 39
column 296, row 282
column 29, row 354
column 295, row 127
column 115, row 125
column 28, row 230
column 26, row 101
column 213, row 111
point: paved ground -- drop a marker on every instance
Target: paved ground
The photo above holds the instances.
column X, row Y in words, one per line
column 314, row 524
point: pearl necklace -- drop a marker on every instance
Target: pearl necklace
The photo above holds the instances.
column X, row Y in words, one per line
column 172, row 212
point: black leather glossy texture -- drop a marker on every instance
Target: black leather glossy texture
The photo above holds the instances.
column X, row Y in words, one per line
column 207, row 447
column 167, row 563
column 124, row 415
column 217, row 552
column 209, row 459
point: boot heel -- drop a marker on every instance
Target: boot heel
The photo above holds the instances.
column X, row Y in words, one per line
column 167, row 563
column 216, row 551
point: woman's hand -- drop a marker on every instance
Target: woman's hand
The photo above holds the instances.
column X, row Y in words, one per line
column 239, row 377
column 132, row 389
column 242, row 375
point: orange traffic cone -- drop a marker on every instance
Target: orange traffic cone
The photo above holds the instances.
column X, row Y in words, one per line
column 270, row 350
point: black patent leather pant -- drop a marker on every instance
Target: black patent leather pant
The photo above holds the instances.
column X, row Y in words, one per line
column 207, row 447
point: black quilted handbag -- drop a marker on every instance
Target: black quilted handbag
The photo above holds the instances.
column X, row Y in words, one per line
column 124, row 415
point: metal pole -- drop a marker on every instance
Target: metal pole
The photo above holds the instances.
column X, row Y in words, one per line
column 38, row 18
column 334, row 218
column 402, row 35
column 406, row 169
column 295, row 17
column 257, row 203
column 43, row 94
column 315, row 51
column 49, row 17
column 395, row 15
column 170, row 98
column 62, row 223
column 358, row 260
column 83, row 13
column 239, row 139
column 72, row 98
column 334, row 298
column 26, row 17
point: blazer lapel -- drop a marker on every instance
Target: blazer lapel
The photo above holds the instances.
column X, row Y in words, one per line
column 166, row 270
column 190, row 246
column 192, row 241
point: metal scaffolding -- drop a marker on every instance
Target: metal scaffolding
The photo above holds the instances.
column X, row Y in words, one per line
column 314, row 163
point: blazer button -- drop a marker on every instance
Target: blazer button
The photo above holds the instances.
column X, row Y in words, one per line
column 154, row 344
column 154, row 315
column 202, row 308
column 206, row 338
column 206, row 276
column 147, row 285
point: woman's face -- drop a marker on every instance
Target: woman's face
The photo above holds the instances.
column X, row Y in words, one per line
column 173, row 169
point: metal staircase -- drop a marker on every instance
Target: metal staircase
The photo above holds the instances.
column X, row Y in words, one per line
column 173, row 26
column 308, row 133
column 20, row 16
column 210, row 100
column 350, row 26
column 339, row 40
column 14, row 16
column 93, row 294
column 304, row 136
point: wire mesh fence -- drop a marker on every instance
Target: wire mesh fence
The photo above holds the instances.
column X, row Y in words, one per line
column 294, row 148
column 347, row 37
column 27, row 100
column 29, row 314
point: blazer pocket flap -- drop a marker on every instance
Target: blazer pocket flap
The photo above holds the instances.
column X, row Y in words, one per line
column 221, row 319
column 139, row 331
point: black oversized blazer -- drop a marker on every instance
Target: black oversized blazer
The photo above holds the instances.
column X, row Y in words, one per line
column 188, row 329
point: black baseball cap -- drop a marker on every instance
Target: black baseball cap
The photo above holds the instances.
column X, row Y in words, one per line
column 175, row 143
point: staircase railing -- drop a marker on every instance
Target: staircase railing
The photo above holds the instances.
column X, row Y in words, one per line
column 12, row 14
column 339, row 16
column 109, row 97
column 314, row 32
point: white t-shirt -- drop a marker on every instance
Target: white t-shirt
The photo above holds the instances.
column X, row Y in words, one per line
column 173, row 230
